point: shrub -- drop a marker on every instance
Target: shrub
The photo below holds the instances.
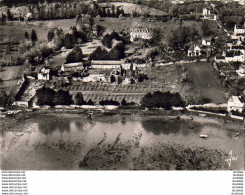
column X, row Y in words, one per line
column 109, row 102
column 162, row 100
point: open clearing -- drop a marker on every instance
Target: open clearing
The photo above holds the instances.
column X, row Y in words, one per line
column 206, row 82
column 15, row 30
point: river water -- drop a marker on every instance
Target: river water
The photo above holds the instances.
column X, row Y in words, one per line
column 59, row 143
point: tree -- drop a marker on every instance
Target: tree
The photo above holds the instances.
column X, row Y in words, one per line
column 156, row 37
column 51, row 35
column 123, row 102
column 107, row 40
column 26, row 35
column 113, row 79
column 99, row 54
column 34, row 37
column 68, row 41
column 9, row 15
column 79, row 99
column 45, row 96
column 76, row 55
column 162, row 100
column 118, row 52
column 3, row 97
column 90, row 102
column 62, row 98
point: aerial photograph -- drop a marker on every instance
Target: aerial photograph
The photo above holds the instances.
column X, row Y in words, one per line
column 122, row 84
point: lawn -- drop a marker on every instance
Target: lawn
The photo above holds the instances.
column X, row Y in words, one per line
column 127, row 23
column 15, row 30
column 10, row 76
column 206, row 82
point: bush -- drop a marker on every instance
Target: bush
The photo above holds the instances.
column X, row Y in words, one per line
column 76, row 55
column 47, row 96
column 162, row 100
column 79, row 99
column 109, row 102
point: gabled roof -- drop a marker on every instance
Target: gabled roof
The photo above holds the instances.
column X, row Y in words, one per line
column 207, row 39
column 107, row 62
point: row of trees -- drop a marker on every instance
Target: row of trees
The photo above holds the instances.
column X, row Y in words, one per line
column 116, row 53
column 76, row 55
column 47, row 96
column 162, row 100
column 33, row 36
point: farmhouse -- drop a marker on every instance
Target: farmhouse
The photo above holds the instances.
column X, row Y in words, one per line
column 239, row 29
column 44, row 73
column 140, row 33
column 72, row 67
column 106, row 64
column 208, row 15
column 194, row 51
column 235, row 103
column 206, row 41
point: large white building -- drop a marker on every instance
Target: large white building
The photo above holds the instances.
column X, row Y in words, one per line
column 138, row 33
column 106, row 64
column 207, row 15
column 72, row 67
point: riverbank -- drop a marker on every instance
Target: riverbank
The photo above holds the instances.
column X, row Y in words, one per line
column 57, row 140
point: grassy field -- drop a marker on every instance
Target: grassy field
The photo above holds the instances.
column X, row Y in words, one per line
column 10, row 76
column 206, row 82
column 166, row 27
column 130, row 8
column 15, row 30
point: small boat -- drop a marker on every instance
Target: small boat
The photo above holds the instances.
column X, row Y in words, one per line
column 90, row 112
column 203, row 136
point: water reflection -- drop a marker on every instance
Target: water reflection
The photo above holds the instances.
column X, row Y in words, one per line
column 158, row 127
column 48, row 127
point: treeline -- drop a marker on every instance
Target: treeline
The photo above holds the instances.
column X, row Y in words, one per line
column 162, row 100
column 116, row 53
column 29, row 2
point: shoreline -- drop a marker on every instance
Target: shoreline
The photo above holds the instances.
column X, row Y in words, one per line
column 161, row 130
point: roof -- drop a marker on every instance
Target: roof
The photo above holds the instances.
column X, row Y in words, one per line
column 194, row 47
column 236, row 99
column 207, row 39
column 71, row 65
column 107, row 62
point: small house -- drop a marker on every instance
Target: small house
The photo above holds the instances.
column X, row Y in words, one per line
column 44, row 73
column 235, row 103
column 194, row 51
column 206, row 41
